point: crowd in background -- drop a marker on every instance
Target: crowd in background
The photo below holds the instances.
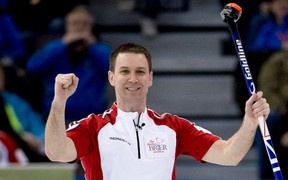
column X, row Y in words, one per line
column 29, row 63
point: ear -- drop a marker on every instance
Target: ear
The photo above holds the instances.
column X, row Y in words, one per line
column 111, row 78
column 151, row 78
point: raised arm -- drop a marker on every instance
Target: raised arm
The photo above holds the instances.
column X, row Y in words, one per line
column 58, row 146
column 232, row 151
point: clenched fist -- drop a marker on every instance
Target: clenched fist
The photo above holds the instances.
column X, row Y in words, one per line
column 65, row 86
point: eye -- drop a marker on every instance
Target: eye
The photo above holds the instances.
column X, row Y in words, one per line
column 124, row 71
column 141, row 72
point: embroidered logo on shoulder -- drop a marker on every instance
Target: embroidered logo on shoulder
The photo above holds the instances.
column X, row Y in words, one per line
column 73, row 125
column 157, row 145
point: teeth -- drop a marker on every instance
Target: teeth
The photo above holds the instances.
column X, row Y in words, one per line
column 132, row 89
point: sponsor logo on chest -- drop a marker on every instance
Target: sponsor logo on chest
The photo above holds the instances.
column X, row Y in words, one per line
column 157, row 145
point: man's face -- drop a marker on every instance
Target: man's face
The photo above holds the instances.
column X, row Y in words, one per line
column 79, row 22
column 131, row 78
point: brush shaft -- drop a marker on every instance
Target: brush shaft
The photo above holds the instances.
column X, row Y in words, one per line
column 252, row 89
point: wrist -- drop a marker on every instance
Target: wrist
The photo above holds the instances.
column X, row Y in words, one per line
column 250, row 123
column 58, row 105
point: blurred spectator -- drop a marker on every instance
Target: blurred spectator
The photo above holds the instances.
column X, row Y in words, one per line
column 36, row 19
column 12, row 50
column 30, row 121
column 21, row 122
column 273, row 81
column 81, row 53
column 149, row 11
column 12, row 47
column 10, row 152
column 126, row 5
column 255, row 22
column 273, row 34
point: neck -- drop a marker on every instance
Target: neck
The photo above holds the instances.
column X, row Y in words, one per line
column 131, row 107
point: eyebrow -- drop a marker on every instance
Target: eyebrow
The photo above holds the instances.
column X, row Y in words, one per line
column 125, row 67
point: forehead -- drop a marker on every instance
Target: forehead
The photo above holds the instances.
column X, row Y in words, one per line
column 79, row 16
column 131, row 60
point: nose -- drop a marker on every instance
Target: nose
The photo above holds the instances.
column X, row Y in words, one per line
column 133, row 78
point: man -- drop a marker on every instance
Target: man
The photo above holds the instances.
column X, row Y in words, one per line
column 80, row 52
column 20, row 122
column 130, row 141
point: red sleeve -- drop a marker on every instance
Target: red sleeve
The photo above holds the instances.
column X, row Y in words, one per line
column 80, row 134
column 193, row 140
column 84, row 135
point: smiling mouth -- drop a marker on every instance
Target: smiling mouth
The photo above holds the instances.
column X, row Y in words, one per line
column 132, row 88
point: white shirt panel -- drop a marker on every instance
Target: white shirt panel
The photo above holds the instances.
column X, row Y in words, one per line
column 119, row 149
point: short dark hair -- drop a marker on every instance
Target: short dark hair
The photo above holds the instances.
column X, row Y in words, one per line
column 129, row 48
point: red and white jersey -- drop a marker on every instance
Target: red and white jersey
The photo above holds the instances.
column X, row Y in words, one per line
column 10, row 152
column 119, row 145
